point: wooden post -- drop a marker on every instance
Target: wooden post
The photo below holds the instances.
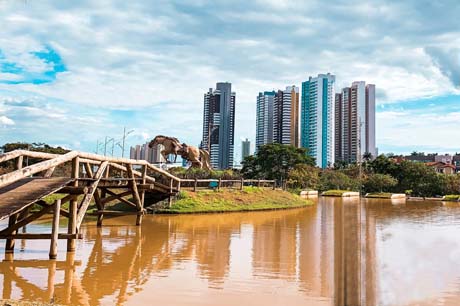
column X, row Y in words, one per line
column 219, row 184
column 19, row 162
column 274, row 184
column 9, row 247
column 195, row 184
column 258, row 183
column 144, row 180
column 73, row 207
column 170, row 193
column 242, row 184
column 55, row 229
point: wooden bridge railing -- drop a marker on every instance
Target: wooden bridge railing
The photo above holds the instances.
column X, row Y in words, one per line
column 15, row 186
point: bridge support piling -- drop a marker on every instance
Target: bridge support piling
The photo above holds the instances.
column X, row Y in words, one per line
column 142, row 196
column 73, row 207
column 9, row 247
column 55, row 230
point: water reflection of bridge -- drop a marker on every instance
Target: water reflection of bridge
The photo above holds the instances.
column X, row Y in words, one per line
column 317, row 250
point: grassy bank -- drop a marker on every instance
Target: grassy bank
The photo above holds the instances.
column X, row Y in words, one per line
column 379, row 195
column 334, row 193
column 248, row 199
column 452, row 197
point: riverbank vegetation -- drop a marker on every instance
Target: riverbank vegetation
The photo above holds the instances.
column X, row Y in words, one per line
column 379, row 195
column 384, row 174
column 334, row 193
column 452, row 197
column 231, row 200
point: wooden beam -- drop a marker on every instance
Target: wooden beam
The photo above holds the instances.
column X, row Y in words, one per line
column 87, row 198
column 75, row 190
column 9, row 246
column 23, row 222
column 97, row 197
column 144, row 180
column 49, row 172
column 114, row 196
column 19, row 162
column 120, row 197
column 133, row 185
column 41, row 236
column 40, row 264
column 120, row 213
column 14, row 176
column 55, row 230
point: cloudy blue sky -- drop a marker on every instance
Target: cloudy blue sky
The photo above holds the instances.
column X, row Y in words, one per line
column 72, row 72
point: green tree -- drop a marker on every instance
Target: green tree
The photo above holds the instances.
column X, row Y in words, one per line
column 379, row 182
column 303, row 176
column 331, row 179
column 274, row 161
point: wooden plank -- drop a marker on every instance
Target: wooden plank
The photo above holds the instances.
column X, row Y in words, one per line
column 14, row 176
column 24, row 193
column 87, row 198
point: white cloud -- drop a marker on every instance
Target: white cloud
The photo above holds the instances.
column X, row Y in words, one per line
column 4, row 120
column 135, row 55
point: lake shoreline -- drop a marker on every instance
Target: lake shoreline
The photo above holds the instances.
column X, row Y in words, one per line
column 224, row 201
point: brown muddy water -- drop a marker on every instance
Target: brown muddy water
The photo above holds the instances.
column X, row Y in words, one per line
column 338, row 252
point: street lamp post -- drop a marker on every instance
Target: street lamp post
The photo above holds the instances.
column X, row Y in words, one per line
column 125, row 134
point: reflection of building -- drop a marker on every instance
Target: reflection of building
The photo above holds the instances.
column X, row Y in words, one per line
column 355, row 122
column 219, row 125
column 316, row 243
column 317, row 118
column 245, row 149
column 274, row 247
column 152, row 155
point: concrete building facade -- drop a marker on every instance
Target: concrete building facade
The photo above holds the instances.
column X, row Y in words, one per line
column 355, row 122
column 317, row 118
column 219, row 125
column 264, row 118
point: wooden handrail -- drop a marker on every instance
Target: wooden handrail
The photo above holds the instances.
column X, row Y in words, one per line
column 85, row 157
column 12, row 177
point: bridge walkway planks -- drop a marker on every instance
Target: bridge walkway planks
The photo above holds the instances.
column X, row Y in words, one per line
column 25, row 192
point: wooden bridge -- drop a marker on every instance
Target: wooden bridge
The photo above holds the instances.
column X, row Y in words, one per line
column 104, row 179
column 77, row 178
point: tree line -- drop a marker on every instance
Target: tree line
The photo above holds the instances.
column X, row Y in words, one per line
column 297, row 169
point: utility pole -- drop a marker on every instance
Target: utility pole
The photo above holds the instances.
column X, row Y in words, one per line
column 107, row 140
column 125, row 134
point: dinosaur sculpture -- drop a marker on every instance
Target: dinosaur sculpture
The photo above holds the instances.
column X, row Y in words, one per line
column 198, row 157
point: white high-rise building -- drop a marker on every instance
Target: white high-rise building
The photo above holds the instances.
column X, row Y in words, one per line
column 219, row 125
column 355, row 122
column 264, row 118
column 317, row 118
